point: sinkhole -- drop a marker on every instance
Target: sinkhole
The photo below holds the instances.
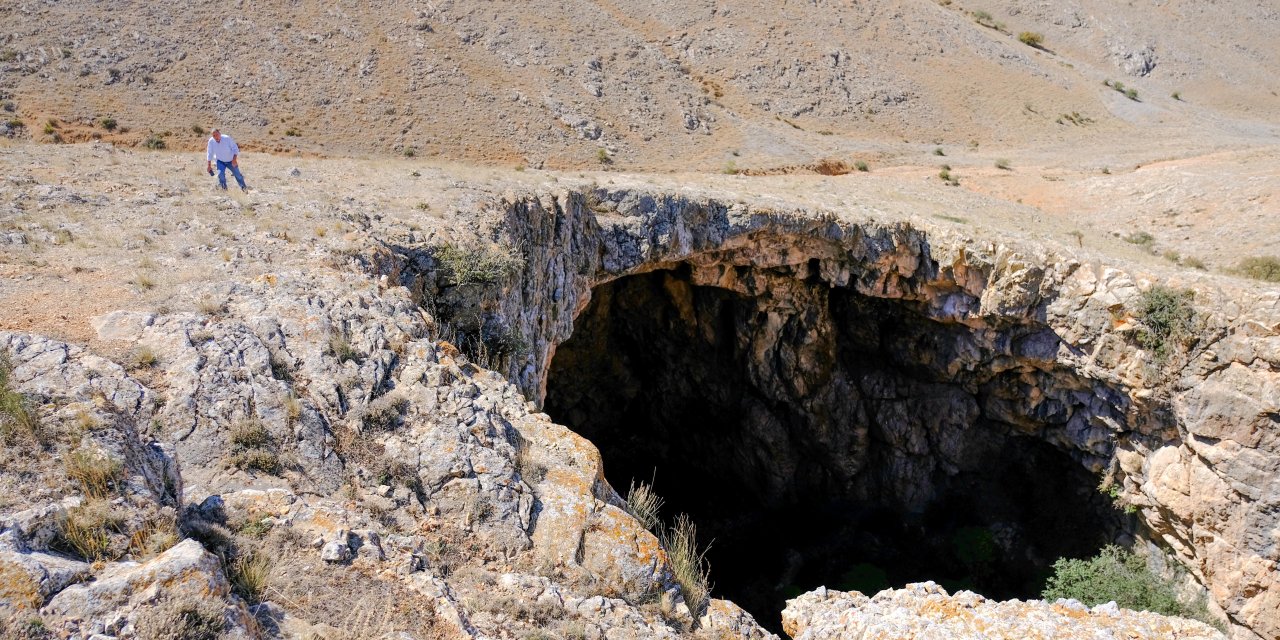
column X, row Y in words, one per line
column 817, row 436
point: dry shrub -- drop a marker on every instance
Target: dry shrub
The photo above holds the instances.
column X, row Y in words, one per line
column 355, row 604
column 181, row 618
column 829, row 167
column 253, row 448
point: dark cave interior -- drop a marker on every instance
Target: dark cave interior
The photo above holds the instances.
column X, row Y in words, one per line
column 817, row 436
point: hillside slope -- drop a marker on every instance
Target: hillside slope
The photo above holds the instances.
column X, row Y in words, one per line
column 687, row 84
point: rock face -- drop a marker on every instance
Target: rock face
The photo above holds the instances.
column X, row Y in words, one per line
column 323, row 419
column 925, row 611
column 1048, row 344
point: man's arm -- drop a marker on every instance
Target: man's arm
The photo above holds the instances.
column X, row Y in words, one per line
column 235, row 153
column 208, row 154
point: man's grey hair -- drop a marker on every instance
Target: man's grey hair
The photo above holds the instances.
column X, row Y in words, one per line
column 215, row 129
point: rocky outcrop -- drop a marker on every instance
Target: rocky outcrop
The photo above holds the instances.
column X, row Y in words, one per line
column 119, row 599
column 879, row 361
column 926, row 611
column 1189, row 442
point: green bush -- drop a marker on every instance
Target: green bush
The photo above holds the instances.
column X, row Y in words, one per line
column 109, row 124
column 154, row 142
column 1168, row 319
column 1266, row 268
column 1122, row 576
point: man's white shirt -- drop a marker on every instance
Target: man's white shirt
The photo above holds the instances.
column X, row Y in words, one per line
column 224, row 150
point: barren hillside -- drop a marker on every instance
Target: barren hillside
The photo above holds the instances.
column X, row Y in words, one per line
column 685, row 84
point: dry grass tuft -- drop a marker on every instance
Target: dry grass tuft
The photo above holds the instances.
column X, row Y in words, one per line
column 250, row 575
column 97, row 473
column 17, row 420
column 87, row 531
column 645, row 505
column 688, row 563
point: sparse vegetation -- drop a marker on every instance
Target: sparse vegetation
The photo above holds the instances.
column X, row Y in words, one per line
column 144, row 357
column 478, row 264
column 1168, row 319
column 108, row 123
column 249, row 575
column 187, row 618
column 154, row 142
column 17, row 419
column 987, row 20
column 1265, row 268
column 154, row 537
column 602, row 156
column 1119, row 87
column 1142, row 239
column 210, row 306
column 87, row 531
column 1079, row 236
column 1003, row 164
column 861, row 166
column 688, row 563
column 937, row 151
column 644, row 505
column 253, row 448
column 1176, row 95
column 1075, row 118
column 410, row 152
column 730, row 168
column 197, row 129
column 96, row 472
column 1194, row 263
column 340, row 347
column 292, row 132
column 1122, row 576
column 1031, row 39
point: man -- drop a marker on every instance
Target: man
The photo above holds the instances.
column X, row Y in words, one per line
column 225, row 152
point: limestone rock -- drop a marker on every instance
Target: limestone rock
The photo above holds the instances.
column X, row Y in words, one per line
column 111, row 603
column 925, row 611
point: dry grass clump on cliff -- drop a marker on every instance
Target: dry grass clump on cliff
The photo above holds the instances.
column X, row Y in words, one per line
column 644, row 505
column 478, row 264
column 1122, row 576
column 688, row 563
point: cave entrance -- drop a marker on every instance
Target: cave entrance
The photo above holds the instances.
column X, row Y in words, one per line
column 822, row 437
